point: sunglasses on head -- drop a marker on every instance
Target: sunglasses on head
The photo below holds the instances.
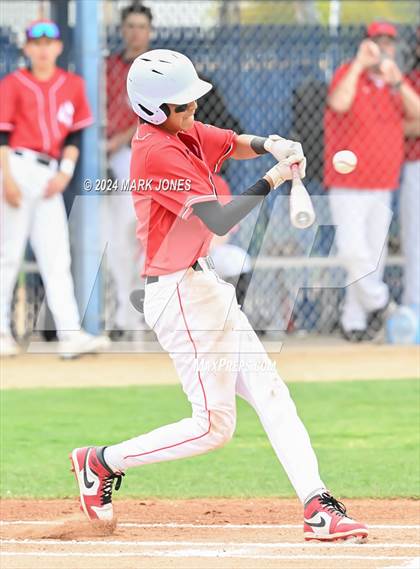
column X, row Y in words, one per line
column 43, row 29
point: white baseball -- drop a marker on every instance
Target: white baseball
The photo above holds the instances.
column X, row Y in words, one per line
column 344, row 161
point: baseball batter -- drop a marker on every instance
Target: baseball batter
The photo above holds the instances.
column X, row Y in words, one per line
column 194, row 313
column 42, row 113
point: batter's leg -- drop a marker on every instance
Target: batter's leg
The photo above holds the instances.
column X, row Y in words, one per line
column 183, row 318
column 260, row 385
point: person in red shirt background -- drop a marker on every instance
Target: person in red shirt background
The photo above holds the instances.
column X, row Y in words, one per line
column 123, row 249
column 410, row 195
column 42, row 113
column 367, row 100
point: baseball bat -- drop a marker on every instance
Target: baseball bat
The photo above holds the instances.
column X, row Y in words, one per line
column 302, row 214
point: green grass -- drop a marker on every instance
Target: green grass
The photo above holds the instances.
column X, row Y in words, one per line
column 366, row 436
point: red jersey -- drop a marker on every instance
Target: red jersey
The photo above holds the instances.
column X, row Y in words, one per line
column 120, row 115
column 40, row 114
column 169, row 173
column 412, row 144
column 372, row 129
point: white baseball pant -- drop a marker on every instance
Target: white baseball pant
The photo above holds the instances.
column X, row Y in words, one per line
column 410, row 230
column 123, row 252
column 217, row 355
column 362, row 219
column 44, row 222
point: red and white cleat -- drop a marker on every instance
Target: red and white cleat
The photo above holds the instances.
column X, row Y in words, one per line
column 95, row 480
column 325, row 519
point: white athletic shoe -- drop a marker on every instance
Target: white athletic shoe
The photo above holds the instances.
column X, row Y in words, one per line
column 8, row 346
column 78, row 343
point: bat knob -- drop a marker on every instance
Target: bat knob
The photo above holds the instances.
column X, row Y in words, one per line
column 302, row 219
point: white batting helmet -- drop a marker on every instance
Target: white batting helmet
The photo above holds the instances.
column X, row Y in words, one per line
column 159, row 77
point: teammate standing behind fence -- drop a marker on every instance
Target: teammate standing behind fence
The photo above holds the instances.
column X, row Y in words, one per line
column 123, row 248
column 367, row 100
column 410, row 196
column 192, row 310
column 42, row 113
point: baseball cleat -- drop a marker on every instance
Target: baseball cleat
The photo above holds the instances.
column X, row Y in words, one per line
column 79, row 343
column 95, row 480
column 325, row 519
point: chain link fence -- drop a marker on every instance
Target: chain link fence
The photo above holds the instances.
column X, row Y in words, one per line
column 269, row 77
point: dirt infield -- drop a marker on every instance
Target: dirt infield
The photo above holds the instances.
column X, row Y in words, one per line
column 209, row 534
column 295, row 362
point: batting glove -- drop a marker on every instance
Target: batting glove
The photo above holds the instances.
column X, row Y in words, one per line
column 282, row 171
column 282, row 149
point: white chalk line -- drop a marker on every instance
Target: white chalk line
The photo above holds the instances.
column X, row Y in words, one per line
column 411, row 564
column 260, row 545
column 199, row 526
column 201, row 553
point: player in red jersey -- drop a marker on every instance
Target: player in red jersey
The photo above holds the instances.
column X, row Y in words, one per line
column 367, row 100
column 192, row 310
column 42, row 113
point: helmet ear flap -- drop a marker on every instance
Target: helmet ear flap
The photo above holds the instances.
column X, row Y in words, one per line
column 164, row 107
column 151, row 115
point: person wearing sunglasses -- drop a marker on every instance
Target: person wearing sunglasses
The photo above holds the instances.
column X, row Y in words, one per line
column 42, row 114
column 192, row 310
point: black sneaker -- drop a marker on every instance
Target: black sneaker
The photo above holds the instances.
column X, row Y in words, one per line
column 354, row 336
column 377, row 319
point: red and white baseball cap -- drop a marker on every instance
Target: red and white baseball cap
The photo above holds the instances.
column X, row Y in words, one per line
column 381, row 28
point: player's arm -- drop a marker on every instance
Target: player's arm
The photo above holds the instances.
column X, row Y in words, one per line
column 9, row 103
column 12, row 193
column 341, row 96
column 220, row 219
column 396, row 80
column 69, row 157
column 412, row 128
column 411, row 102
column 250, row 146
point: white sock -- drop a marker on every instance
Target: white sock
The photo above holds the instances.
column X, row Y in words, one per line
column 108, row 460
column 316, row 492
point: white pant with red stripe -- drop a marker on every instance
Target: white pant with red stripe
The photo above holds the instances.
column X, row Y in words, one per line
column 362, row 219
column 44, row 222
column 217, row 355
